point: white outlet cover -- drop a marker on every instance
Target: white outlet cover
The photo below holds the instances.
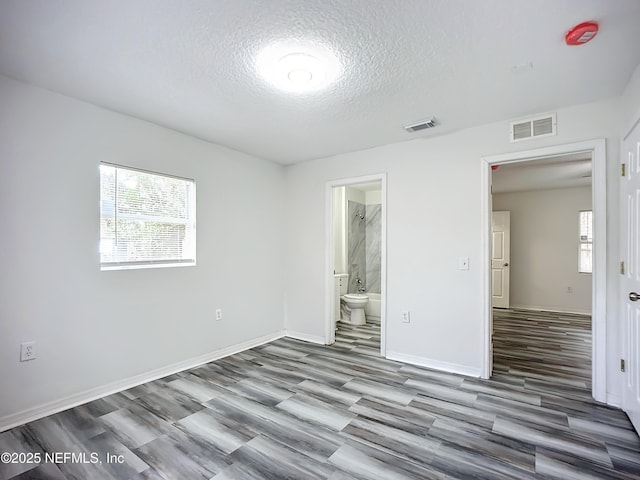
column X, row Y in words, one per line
column 27, row 351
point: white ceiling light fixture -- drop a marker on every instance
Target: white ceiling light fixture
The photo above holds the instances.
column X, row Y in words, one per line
column 298, row 69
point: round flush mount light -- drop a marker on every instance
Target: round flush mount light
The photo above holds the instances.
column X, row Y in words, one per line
column 300, row 76
column 298, row 69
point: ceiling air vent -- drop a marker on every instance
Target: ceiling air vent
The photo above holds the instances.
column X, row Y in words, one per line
column 423, row 125
column 540, row 126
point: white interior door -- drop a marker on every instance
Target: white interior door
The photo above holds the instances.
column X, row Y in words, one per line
column 500, row 258
column 630, row 281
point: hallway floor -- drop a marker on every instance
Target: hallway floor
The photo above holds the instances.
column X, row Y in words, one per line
column 543, row 347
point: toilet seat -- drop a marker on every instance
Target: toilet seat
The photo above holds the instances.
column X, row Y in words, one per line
column 355, row 296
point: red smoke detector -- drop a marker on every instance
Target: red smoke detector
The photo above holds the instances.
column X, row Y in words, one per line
column 582, row 33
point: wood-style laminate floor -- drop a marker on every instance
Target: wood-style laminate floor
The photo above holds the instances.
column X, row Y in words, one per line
column 294, row 410
column 548, row 345
column 363, row 339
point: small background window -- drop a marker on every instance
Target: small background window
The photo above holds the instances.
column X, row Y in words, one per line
column 585, row 258
column 146, row 219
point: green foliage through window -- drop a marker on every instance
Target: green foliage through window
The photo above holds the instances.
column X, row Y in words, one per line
column 145, row 218
column 585, row 259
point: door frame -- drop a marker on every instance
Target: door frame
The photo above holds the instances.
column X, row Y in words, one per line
column 329, row 333
column 597, row 147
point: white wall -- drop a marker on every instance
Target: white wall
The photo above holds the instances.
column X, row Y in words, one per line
column 433, row 219
column 373, row 197
column 630, row 101
column 544, row 249
column 94, row 328
column 355, row 195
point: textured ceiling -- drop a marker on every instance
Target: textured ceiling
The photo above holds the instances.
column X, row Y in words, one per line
column 190, row 65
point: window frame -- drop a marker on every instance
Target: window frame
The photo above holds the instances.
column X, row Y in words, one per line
column 584, row 242
column 189, row 222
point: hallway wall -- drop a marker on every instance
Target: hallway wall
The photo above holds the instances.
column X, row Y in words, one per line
column 544, row 249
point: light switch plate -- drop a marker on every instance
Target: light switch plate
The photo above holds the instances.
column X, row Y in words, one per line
column 463, row 263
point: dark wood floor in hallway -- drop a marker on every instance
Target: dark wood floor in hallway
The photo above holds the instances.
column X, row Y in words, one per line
column 549, row 346
column 295, row 410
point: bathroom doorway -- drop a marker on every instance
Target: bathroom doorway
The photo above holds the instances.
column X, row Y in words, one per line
column 356, row 263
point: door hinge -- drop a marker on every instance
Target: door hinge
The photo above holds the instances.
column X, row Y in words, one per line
column 622, row 364
column 621, row 268
column 623, row 169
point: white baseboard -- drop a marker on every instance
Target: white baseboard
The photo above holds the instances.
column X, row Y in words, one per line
column 305, row 337
column 538, row 308
column 614, row 400
column 49, row 408
column 435, row 364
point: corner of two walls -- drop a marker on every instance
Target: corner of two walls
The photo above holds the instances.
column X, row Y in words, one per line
column 630, row 101
column 96, row 330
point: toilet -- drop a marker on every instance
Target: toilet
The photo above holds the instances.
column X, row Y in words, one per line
column 350, row 306
column 354, row 310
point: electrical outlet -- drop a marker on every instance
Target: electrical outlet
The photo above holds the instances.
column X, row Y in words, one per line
column 218, row 314
column 406, row 317
column 569, row 289
column 27, row 351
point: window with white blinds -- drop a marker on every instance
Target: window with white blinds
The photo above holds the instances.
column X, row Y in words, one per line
column 146, row 219
column 585, row 253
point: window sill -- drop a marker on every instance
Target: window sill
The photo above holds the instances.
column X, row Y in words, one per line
column 141, row 266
